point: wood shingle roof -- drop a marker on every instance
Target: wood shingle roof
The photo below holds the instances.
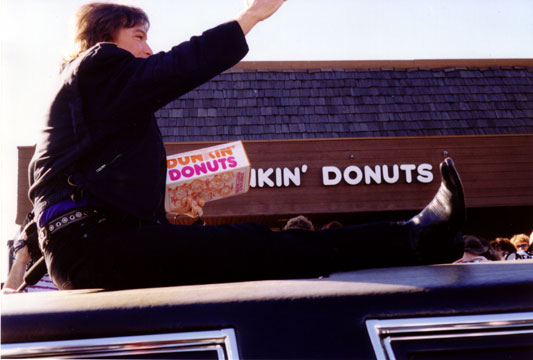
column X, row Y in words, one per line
column 264, row 104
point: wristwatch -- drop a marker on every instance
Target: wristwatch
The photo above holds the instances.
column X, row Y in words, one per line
column 19, row 244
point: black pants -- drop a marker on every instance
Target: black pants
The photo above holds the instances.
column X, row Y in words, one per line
column 106, row 252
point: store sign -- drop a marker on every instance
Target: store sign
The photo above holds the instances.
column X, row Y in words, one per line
column 378, row 174
column 277, row 177
column 351, row 175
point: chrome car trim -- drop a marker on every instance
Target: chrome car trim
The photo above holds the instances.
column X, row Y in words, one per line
column 222, row 341
column 383, row 333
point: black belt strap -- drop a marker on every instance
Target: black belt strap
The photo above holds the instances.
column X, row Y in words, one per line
column 67, row 218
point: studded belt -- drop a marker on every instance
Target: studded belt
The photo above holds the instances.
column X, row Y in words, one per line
column 67, row 219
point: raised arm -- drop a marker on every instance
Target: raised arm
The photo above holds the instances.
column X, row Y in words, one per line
column 256, row 11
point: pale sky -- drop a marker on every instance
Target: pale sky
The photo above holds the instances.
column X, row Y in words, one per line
column 36, row 33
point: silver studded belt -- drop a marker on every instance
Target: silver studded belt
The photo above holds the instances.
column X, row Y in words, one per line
column 66, row 219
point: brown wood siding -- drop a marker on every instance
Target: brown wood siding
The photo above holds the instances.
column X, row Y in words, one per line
column 23, row 202
column 496, row 171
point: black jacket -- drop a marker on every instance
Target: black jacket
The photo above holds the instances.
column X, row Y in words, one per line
column 101, row 135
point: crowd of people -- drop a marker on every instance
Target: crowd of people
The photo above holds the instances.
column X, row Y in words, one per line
column 476, row 249
column 303, row 223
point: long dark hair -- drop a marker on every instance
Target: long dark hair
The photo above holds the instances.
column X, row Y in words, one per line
column 99, row 22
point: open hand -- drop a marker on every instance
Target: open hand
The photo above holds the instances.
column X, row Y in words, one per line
column 263, row 9
column 256, row 11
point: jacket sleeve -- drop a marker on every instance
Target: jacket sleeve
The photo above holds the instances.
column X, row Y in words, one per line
column 115, row 84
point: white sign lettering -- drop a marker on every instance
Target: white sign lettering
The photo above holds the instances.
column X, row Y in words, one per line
column 352, row 175
column 282, row 177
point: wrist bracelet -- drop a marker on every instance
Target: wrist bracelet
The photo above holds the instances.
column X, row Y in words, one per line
column 19, row 244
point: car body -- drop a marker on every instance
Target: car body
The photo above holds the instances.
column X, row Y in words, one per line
column 483, row 310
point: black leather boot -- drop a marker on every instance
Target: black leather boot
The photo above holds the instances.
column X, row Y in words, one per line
column 436, row 236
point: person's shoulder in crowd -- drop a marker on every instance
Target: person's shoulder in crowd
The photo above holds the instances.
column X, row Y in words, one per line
column 520, row 255
column 45, row 284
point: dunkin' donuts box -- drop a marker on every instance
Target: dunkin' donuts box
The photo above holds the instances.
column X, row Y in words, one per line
column 211, row 173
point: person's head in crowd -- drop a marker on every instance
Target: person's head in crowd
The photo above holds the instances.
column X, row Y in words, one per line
column 332, row 224
column 477, row 250
column 478, row 246
column 503, row 247
column 520, row 241
column 299, row 222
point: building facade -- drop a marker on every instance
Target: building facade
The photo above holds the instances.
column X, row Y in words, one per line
column 362, row 141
